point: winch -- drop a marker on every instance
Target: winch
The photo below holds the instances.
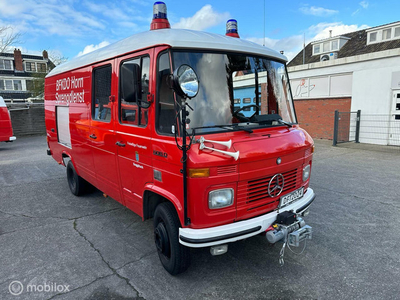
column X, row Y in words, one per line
column 291, row 230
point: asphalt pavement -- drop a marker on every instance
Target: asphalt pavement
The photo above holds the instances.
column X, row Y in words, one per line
column 54, row 245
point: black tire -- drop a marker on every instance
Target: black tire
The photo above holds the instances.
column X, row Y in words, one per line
column 174, row 257
column 77, row 184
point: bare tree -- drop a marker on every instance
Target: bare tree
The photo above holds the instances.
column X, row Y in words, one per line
column 56, row 57
column 8, row 37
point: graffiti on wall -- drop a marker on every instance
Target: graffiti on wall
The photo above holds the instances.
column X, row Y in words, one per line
column 303, row 88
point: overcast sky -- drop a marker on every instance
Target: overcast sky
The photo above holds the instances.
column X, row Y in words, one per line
column 73, row 27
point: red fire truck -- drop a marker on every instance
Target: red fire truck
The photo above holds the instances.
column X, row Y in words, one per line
column 195, row 130
column 6, row 131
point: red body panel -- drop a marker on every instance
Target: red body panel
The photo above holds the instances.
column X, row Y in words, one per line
column 126, row 172
column 5, row 124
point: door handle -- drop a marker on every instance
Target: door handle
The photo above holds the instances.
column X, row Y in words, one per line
column 120, row 144
column 93, row 136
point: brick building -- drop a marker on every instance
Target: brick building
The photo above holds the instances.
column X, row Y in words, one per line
column 355, row 71
column 17, row 73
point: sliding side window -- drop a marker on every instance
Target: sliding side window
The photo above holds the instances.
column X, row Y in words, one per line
column 101, row 105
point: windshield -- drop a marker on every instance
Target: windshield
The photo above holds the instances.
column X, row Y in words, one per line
column 236, row 91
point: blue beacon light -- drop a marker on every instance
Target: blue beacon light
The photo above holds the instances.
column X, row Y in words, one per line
column 160, row 20
column 232, row 28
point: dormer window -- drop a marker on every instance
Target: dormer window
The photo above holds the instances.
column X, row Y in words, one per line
column 383, row 33
column 372, row 37
column 386, row 34
column 316, row 49
column 397, row 32
column 329, row 45
column 5, row 64
column 335, row 45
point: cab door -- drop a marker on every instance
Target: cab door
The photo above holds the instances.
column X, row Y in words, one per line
column 102, row 132
column 134, row 128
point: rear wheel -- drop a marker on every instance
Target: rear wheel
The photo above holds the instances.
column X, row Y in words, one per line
column 77, row 184
column 174, row 257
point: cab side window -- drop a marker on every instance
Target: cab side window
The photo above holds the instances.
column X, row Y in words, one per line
column 134, row 87
column 101, row 105
column 165, row 97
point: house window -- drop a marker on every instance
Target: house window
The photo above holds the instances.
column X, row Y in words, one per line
column 5, row 64
column 387, row 34
column 30, row 67
column 247, row 100
column 41, row 67
column 397, row 32
column 372, row 37
column 1, row 85
column 236, row 101
column 335, row 45
column 17, row 85
column 9, row 84
column 327, row 47
column 317, row 49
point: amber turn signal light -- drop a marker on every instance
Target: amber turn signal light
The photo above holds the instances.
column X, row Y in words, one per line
column 198, row 173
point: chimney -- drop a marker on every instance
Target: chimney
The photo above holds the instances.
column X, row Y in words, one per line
column 330, row 33
column 45, row 54
column 18, row 60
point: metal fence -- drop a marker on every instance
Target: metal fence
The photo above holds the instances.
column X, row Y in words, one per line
column 377, row 129
column 346, row 127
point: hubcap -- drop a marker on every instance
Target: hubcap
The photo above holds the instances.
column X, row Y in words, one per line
column 161, row 239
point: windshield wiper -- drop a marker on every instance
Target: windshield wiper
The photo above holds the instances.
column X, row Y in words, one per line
column 228, row 127
column 242, row 128
column 285, row 123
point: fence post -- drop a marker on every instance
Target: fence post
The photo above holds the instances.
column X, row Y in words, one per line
column 335, row 128
column 358, row 126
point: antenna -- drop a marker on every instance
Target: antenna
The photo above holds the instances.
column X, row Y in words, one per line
column 264, row 25
column 304, row 49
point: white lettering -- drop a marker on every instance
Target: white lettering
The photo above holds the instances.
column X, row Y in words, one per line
column 137, row 166
column 137, row 146
column 71, row 97
column 76, row 83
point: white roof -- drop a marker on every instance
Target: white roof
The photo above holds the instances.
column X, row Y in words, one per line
column 178, row 38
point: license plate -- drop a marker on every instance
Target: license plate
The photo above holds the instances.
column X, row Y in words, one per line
column 290, row 198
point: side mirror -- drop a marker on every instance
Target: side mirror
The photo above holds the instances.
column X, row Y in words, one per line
column 185, row 82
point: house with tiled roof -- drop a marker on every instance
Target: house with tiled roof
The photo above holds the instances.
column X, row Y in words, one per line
column 349, row 72
column 17, row 74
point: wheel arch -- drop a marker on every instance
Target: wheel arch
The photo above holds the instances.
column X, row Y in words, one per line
column 153, row 196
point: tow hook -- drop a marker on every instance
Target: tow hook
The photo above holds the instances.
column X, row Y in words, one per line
column 291, row 230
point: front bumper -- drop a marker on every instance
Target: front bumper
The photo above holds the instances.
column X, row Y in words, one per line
column 198, row 238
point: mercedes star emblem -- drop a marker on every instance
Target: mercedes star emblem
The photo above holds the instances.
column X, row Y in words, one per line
column 275, row 185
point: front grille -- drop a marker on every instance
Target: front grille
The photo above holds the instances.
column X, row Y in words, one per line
column 258, row 189
column 226, row 170
column 253, row 194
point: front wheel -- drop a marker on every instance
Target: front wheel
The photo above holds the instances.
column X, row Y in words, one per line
column 174, row 257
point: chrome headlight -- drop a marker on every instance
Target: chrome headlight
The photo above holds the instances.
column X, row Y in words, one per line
column 306, row 172
column 220, row 198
